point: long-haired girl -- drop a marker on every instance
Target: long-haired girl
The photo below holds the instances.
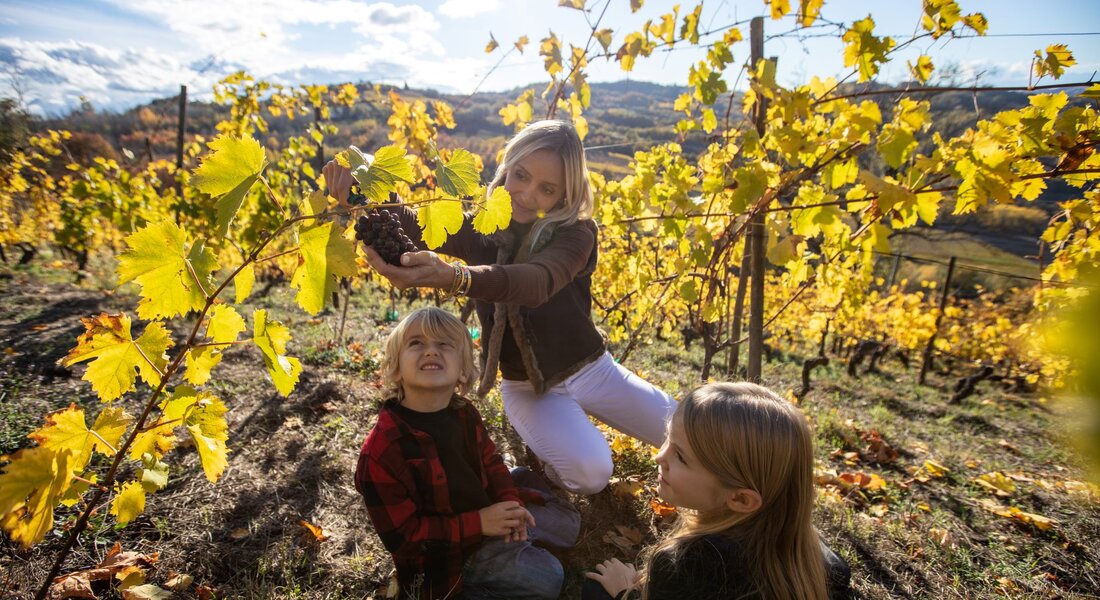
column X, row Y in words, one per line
column 738, row 462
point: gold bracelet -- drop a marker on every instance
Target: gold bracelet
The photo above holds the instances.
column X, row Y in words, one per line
column 467, row 279
column 456, row 281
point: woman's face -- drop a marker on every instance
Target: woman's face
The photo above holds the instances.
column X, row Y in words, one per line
column 536, row 184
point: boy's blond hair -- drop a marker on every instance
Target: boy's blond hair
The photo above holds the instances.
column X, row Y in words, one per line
column 437, row 324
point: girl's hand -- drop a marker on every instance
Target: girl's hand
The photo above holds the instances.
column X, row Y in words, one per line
column 614, row 576
column 503, row 518
column 338, row 179
column 418, row 269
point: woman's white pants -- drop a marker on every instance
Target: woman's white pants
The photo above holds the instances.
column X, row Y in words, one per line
column 556, row 427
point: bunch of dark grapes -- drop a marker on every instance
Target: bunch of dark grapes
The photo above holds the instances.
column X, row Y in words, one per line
column 381, row 230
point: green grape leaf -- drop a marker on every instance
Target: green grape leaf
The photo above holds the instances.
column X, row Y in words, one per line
column 895, row 144
column 271, row 338
column 439, row 219
column 496, row 214
column 689, row 291
column 129, row 502
column 115, row 355
column 378, row 177
column 173, row 281
column 228, row 172
column 31, row 485
column 459, row 176
column 326, row 256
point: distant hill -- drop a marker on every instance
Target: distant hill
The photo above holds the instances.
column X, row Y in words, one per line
column 624, row 116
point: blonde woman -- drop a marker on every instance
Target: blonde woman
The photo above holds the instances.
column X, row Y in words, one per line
column 738, row 463
column 531, row 284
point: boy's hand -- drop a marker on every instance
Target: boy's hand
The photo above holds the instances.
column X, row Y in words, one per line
column 505, row 518
column 614, row 576
column 519, row 534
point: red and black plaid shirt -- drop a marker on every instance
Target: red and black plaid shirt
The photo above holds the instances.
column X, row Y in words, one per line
column 403, row 483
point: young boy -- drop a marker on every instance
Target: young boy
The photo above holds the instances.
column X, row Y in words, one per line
column 436, row 490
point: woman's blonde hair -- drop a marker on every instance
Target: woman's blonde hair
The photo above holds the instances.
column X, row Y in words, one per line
column 560, row 137
column 748, row 437
column 436, row 324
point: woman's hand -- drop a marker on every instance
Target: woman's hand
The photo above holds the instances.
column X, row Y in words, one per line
column 418, row 269
column 338, row 179
column 614, row 576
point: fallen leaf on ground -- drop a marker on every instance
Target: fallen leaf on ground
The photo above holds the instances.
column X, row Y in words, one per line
column 997, row 483
column 312, row 532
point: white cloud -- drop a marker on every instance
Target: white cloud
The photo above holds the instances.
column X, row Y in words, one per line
column 53, row 76
column 464, row 9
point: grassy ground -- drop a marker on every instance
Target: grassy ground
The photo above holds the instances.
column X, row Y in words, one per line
column 898, row 468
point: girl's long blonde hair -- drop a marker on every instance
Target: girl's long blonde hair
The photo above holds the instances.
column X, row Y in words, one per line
column 560, row 137
column 437, row 324
column 748, row 437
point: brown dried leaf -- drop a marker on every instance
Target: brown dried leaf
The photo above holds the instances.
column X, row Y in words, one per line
column 312, row 533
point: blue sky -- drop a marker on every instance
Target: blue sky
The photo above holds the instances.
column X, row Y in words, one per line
column 118, row 53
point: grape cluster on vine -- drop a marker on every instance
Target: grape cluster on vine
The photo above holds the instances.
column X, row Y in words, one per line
column 381, row 230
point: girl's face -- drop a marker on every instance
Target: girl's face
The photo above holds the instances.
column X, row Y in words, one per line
column 683, row 481
column 537, row 185
column 426, row 364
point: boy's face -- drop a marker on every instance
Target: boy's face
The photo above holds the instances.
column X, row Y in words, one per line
column 426, row 364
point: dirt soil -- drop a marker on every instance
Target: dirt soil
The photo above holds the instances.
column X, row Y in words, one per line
column 292, row 461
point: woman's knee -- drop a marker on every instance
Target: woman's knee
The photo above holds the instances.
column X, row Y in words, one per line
column 586, row 476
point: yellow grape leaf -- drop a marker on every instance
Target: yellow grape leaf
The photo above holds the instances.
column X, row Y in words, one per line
column 243, row 282
column 864, row 49
column 895, row 144
column 497, row 212
column 65, row 429
column 977, row 22
column 780, row 8
column 997, row 483
column 1054, row 63
column 130, row 577
column 922, row 71
column 326, row 256
column 521, row 43
column 129, row 502
column 378, row 177
column 30, row 486
column 200, row 363
column 173, row 281
column 209, row 431
column 155, row 441
column 271, row 338
column 808, row 10
column 786, row 250
column 636, row 5
column 710, row 121
column 577, row 4
column 689, row 291
column 115, row 355
column 492, row 45
column 1011, row 512
column 604, row 37
column 1092, row 92
column 76, row 490
column 625, row 489
column 153, row 474
column 550, row 50
column 228, row 172
column 935, row 469
column 459, row 176
column 438, row 219
column 224, row 324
